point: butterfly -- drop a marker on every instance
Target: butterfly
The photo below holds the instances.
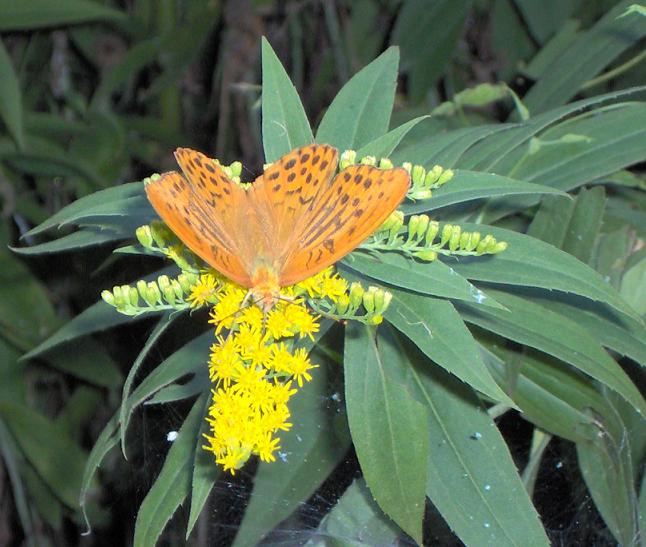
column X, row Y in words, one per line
column 292, row 222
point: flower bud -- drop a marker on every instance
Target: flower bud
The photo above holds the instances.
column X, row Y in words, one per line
column 376, row 319
column 425, row 193
column 447, row 232
column 407, row 166
column 169, row 294
column 154, row 177
column 431, row 233
column 454, row 240
column 369, row 301
column 422, row 226
column 445, row 177
column 426, row 254
column 464, row 240
column 144, row 236
column 385, row 163
column 163, row 282
column 236, row 169
column 368, row 160
column 119, row 300
column 108, row 297
column 417, row 175
column 154, row 293
column 499, row 247
column 177, row 288
column 133, row 296
column 484, row 244
column 413, row 222
column 474, row 239
column 342, row 304
column 356, row 295
column 348, row 157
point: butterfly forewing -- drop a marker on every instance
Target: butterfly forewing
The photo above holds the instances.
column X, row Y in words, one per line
column 196, row 224
column 356, row 203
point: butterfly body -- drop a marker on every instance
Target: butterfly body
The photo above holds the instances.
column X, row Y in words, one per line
column 292, row 222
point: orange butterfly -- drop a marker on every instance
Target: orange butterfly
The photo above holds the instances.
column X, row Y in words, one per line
column 294, row 221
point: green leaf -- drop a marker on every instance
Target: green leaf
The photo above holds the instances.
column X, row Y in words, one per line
column 205, row 472
column 185, row 361
column 35, row 14
column 499, row 152
column 89, row 362
column 10, row 98
column 553, row 397
column 434, row 278
column 360, row 113
column 98, row 317
column 427, row 33
column 309, row 452
column 383, row 146
column 125, row 413
column 470, row 185
column 81, row 239
column 392, row 445
column 606, row 464
column 571, row 225
column 106, row 441
column 472, row 478
column 356, row 520
column 61, row 464
column 532, row 263
column 431, row 147
column 556, row 335
column 632, row 286
column 115, row 201
column 284, row 122
column 173, row 482
column 438, row 331
column 592, row 51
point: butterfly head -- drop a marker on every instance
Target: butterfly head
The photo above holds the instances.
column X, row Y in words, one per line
column 265, row 287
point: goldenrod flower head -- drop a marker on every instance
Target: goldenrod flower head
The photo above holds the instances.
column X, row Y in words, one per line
column 205, row 291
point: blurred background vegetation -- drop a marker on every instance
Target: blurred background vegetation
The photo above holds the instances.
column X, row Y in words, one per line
column 94, row 94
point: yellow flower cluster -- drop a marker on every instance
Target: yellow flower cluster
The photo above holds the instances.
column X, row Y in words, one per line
column 255, row 367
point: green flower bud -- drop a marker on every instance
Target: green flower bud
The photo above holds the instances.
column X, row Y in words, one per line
column 464, row 240
column 393, row 219
column 154, row 294
column 108, row 297
column 159, row 234
column 144, row 236
column 236, row 168
column 379, row 299
column 407, row 166
column 342, row 304
column 413, row 222
column 146, row 181
column 356, row 295
column 431, row 233
column 426, row 255
column 385, row 163
column 376, row 320
column 445, row 177
column 474, row 239
column 484, row 244
column 425, row 193
column 177, row 288
column 163, row 282
column 348, row 157
column 133, row 296
column 422, row 226
column 119, row 300
column 417, row 175
column 368, row 160
column 447, row 232
column 499, row 247
column 142, row 288
column 369, row 301
column 169, row 294
column 154, row 177
column 454, row 240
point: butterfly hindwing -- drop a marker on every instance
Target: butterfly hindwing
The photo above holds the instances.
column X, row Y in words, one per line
column 193, row 222
column 357, row 202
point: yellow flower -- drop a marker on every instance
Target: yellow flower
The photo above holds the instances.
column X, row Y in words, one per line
column 252, row 316
column 277, row 323
column 302, row 320
column 299, row 366
column 234, row 459
column 224, row 313
column 266, row 447
column 205, row 291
